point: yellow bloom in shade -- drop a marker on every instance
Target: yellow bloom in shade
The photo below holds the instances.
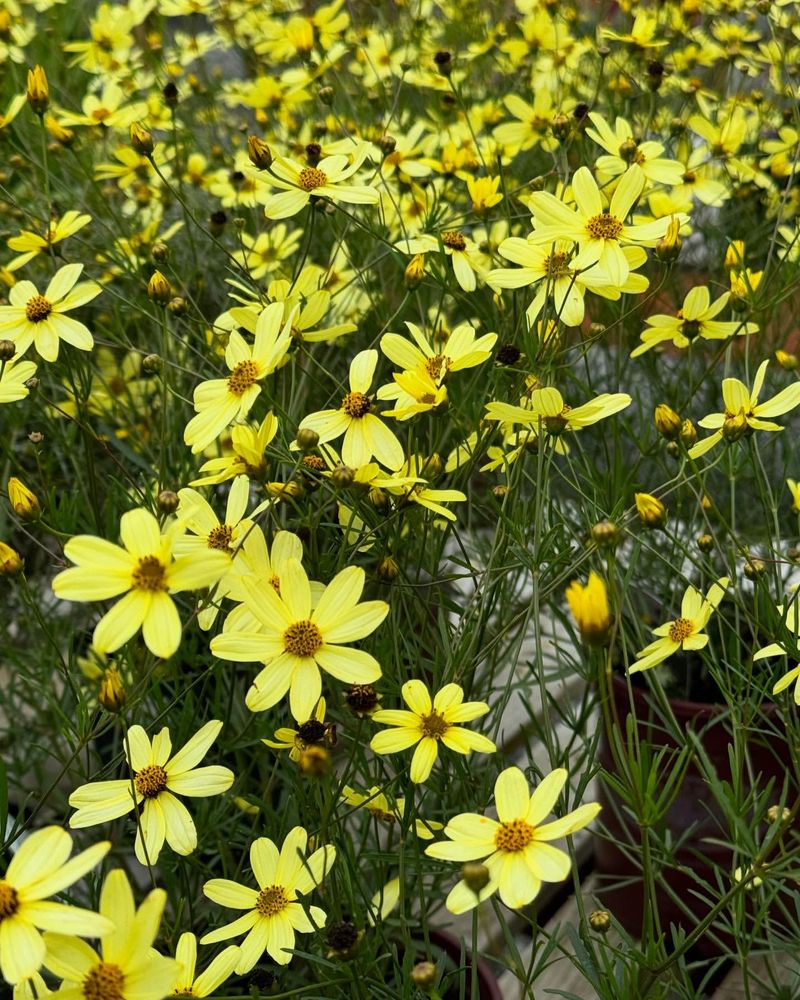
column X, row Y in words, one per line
column 295, row 642
column 794, row 489
column 380, row 806
column 128, row 968
column 589, row 606
column 484, row 192
column 32, row 318
column 13, row 376
column 685, row 632
column 461, row 350
column 274, row 913
column 156, row 776
column 430, row 723
column 365, row 434
column 515, row 846
column 247, row 456
column 219, row 969
column 220, row 401
column 314, row 732
column 548, row 410
column 695, row 319
column 31, row 244
column 145, row 572
column 743, row 412
column 40, row 868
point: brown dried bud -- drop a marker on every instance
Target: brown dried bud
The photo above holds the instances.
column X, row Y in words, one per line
column 259, row 152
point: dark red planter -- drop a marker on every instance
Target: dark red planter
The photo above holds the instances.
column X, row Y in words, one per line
column 488, row 988
column 694, row 807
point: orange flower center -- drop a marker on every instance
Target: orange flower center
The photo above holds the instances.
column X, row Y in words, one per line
column 242, row 377
column 150, row 781
column 150, row 574
column 311, row 178
column 9, row 903
column 514, row 836
column 38, row 309
column 104, row 982
column 437, row 366
column 434, row 726
column 302, row 638
column 356, row 404
column 681, row 629
column 454, row 239
column 221, row 538
column 604, row 227
column 271, row 900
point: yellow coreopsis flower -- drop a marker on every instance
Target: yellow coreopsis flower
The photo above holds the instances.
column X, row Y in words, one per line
column 430, row 723
column 461, row 350
column 411, row 487
column 219, row 969
column 365, row 434
column 273, row 913
column 548, row 410
column 32, row 318
column 695, row 319
column 219, row 402
column 295, row 642
column 13, row 378
column 462, row 251
column 484, row 192
column 128, row 967
column 385, row 811
column 599, row 231
column 247, row 456
column 40, row 868
column 300, row 183
column 516, row 846
column 743, row 412
column 158, row 775
column 589, row 606
column 29, row 244
column 622, row 150
column 794, row 489
column 145, row 572
column 685, row 632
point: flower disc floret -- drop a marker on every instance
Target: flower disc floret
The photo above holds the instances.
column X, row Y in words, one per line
column 356, row 404
column 310, row 178
column 272, row 900
column 150, row 781
column 604, row 227
column 38, row 308
column 302, row 638
column 149, row 574
column 9, row 900
column 244, row 375
column 514, row 836
column 104, row 982
column 680, row 629
column 454, row 239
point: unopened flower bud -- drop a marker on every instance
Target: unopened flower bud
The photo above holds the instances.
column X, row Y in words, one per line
column 651, row 510
column 63, row 136
column 151, row 364
column 735, row 427
column 10, row 561
column 160, row 251
column 673, row 449
column 475, row 875
column 561, row 127
column 167, row 501
column 24, row 502
column 668, row 423
column 415, row 272
column 628, row 150
column 688, row 433
column 36, row 437
column 326, row 95
column 159, row 289
column 307, row 439
column 142, row 139
column 342, row 477
column 387, row 143
column 259, row 152
column 789, row 362
column 600, row 921
column 605, row 533
column 362, row 699
column 423, row 974
column 754, row 568
column 734, row 255
column 775, row 813
column 112, row 692
column 444, row 63
column 216, row 222
column 500, row 492
column 388, row 568
column 285, row 491
column 7, row 350
column 38, row 90
column 669, row 246
column 177, row 305
column 378, row 498
column 314, row 761
column 705, row 543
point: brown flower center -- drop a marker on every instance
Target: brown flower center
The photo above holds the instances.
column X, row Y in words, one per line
column 356, row 404
column 454, row 239
column 149, row 574
column 434, row 726
column 604, row 227
column 244, row 374
column 690, row 328
column 312, row 732
column 437, row 366
column 302, row 638
column 221, row 538
column 38, row 309
column 311, row 178
column 9, row 903
column 104, row 982
column 271, row 900
column 556, row 264
column 681, row 629
column 150, row 781
column 514, row 836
